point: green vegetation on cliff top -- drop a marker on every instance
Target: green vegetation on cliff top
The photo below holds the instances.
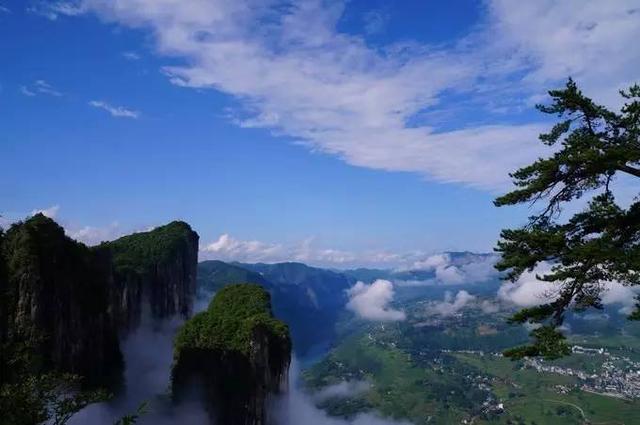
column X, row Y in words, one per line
column 230, row 320
column 139, row 251
column 37, row 250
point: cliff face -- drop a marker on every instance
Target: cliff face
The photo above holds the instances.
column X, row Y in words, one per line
column 65, row 304
column 237, row 352
column 55, row 301
column 155, row 269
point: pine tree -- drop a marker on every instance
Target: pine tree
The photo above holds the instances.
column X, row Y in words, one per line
column 594, row 247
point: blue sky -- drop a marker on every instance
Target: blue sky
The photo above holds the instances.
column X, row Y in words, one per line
column 337, row 133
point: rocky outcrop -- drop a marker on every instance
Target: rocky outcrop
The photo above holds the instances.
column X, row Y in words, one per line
column 237, row 353
column 154, row 270
column 65, row 304
column 55, row 301
column 308, row 298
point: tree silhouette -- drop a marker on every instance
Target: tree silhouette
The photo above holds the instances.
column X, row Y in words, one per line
column 592, row 248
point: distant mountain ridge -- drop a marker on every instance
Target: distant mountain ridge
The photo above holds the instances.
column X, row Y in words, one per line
column 214, row 275
column 455, row 259
column 310, row 298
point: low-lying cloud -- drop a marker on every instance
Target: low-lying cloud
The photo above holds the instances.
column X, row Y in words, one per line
column 342, row 389
column 451, row 304
column 371, row 302
column 466, row 269
column 148, row 355
column 228, row 248
column 298, row 407
column 529, row 291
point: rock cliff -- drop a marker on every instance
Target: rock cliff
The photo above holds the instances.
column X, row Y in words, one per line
column 55, row 301
column 65, row 304
column 154, row 270
column 237, row 352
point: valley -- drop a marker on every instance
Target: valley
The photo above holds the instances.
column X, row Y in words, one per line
column 441, row 369
column 430, row 353
column 452, row 371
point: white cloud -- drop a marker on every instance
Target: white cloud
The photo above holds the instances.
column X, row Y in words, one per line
column 296, row 407
column 449, row 275
column 91, row 235
column 342, row 389
column 375, row 21
column 529, row 291
column 296, row 74
column 468, row 268
column 132, row 56
column 624, row 296
column 43, row 87
column 433, row 262
column 39, row 87
column 51, row 212
column 4, row 9
column 489, row 307
column 451, row 305
column 5, row 223
column 307, row 252
column 53, row 9
column 588, row 40
column 229, row 248
column 115, row 111
column 8, row 218
column 371, row 301
column 25, row 91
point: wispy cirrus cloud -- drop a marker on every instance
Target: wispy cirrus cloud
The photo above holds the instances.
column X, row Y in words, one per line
column 54, row 9
column 39, row 87
column 132, row 56
column 375, row 21
column 115, row 111
column 296, row 74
